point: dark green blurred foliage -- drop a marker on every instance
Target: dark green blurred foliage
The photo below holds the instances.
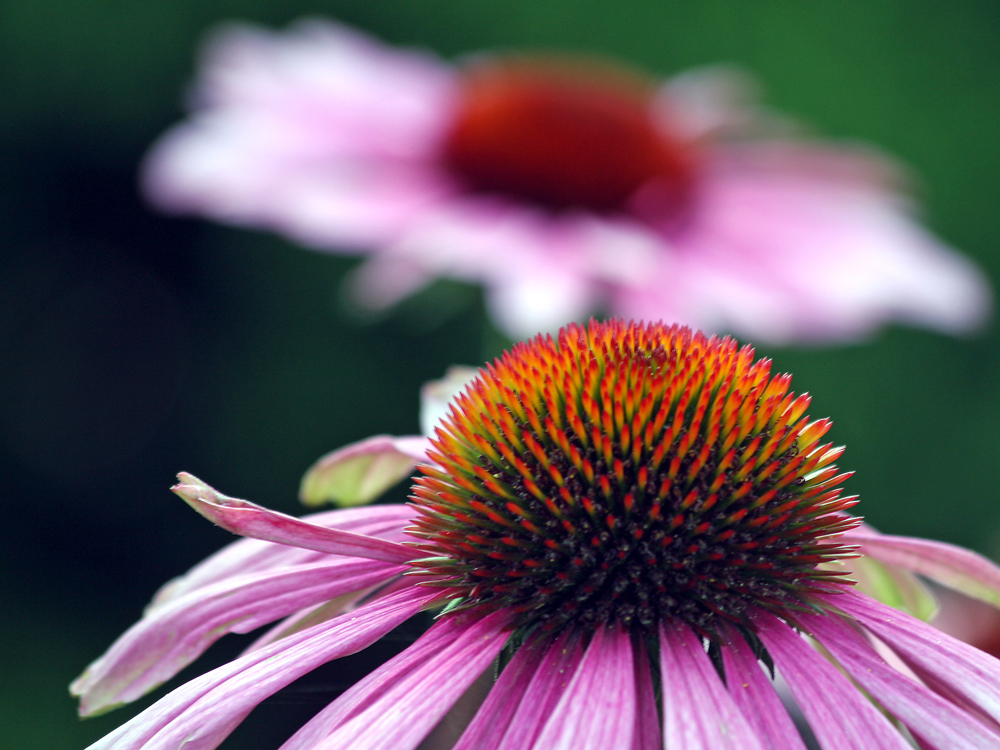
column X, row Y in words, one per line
column 133, row 346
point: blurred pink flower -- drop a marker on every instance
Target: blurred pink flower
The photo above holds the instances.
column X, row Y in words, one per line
column 563, row 187
column 634, row 583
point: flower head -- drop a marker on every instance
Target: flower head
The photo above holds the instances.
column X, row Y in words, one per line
column 635, row 518
column 631, row 475
column 560, row 185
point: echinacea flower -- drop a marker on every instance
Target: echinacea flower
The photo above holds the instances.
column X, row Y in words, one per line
column 632, row 524
column 561, row 186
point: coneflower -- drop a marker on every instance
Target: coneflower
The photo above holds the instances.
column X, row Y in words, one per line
column 627, row 522
column 561, row 185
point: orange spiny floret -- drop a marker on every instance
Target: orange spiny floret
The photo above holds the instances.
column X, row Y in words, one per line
column 699, row 463
column 605, row 484
column 814, row 432
column 663, row 412
column 487, row 448
column 537, row 450
column 690, row 499
column 556, row 475
column 607, row 449
column 533, row 420
column 491, row 514
column 768, row 470
column 557, row 435
column 534, row 489
column 675, row 465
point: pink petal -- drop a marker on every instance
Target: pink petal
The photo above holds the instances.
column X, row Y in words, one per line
column 160, row 645
column 531, row 264
column 248, row 519
column 318, row 132
column 935, row 720
column 971, row 674
column 755, row 696
column 841, row 717
column 200, row 714
column 358, row 473
column 648, row 734
column 398, row 704
column 698, row 713
column 957, row 568
column 867, row 262
column 487, row 728
column 598, row 709
column 553, row 673
column 250, row 555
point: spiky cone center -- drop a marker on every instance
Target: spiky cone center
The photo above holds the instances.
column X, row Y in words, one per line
column 568, row 134
column 624, row 474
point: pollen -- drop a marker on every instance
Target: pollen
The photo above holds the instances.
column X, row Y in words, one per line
column 623, row 473
column 567, row 135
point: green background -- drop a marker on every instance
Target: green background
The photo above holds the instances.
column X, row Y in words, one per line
column 133, row 346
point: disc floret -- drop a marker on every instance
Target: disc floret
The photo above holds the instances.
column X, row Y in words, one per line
column 625, row 473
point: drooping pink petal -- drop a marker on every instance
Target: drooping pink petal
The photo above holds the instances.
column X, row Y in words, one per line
column 841, row 717
column 249, row 555
column 160, row 645
column 955, row 567
column 251, row 520
column 487, row 728
column 648, row 735
column 698, row 713
column 966, row 671
column 937, row 722
column 362, row 471
column 755, row 696
column 202, row 713
column 598, row 708
column 398, row 704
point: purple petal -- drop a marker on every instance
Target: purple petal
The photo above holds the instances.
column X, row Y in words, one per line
column 495, row 715
column 648, row 735
column 969, row 673
column 398, row 704
column 598, row 709
column 698, row 713
column 951, row 566
column 248, row 519
column 249, row 555
column 360, row 472
column 755, row 696
column 935, row 720
column 161, row 644
column 841, row 717
column 200, row 714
